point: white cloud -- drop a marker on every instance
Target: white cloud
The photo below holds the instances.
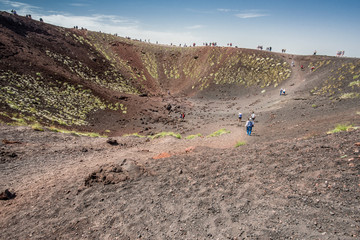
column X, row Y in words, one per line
column 224, row 10
column 122, row 26
column 21, row 8
column 79, row 4
column 195, row 27
column 105, row 23
column 251, row 14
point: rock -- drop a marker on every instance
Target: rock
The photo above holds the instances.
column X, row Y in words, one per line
column 168, row 107
column 112, row 142
column 7, row 195
column 4, row 141
column 115, row 173
column 123, row 98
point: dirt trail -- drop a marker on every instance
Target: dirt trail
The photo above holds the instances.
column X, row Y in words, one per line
column 281, row 189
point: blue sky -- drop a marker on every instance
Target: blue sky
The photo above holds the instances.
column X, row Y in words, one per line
column 298, row 26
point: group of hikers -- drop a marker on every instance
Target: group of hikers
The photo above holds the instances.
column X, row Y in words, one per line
column 249, row 123
column 27, row 15
column 282, row 92
column 340, row 53
column 182, row 115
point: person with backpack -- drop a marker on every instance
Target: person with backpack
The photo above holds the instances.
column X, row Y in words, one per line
column 240, row 117
column 249, row 125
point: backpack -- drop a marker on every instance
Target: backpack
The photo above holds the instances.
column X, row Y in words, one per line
column 250, row 124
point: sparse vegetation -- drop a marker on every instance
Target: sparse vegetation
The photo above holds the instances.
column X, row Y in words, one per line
column 350, row 95
column 246, row 70
column 339, row 81
column 355, row 84
column 76, row 133
column 164, row 134
column 194, row 136
column 340, row 128
column 56, row 101
column 134, row 135
column 219, row 133
column 240, row 143
column 37, row 127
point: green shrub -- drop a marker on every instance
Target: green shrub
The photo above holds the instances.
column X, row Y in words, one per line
column 350, row 95
column 340, row 128
column 87, row 134
column 37, row 127
column 240, row 143
column 163, row 134
column 193, row 136
column 134, row 134
column 355, row 83
column 219, row 132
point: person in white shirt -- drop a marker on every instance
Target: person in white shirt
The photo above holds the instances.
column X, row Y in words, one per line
column 249, row 125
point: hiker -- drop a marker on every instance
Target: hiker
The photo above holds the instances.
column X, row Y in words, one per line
column 182, row 115
column 302, row 67
column 240, row 116
column 281, row 91
column 249, row 125
column 284, row 91
column 292, row 64
column 253, row 116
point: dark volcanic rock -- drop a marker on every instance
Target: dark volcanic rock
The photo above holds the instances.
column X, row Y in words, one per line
column 7, row 195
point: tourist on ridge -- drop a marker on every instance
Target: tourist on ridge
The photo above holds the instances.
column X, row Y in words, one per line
column 249, row 125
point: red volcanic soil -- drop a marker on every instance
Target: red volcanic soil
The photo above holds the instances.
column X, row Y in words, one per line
column 290, row 179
